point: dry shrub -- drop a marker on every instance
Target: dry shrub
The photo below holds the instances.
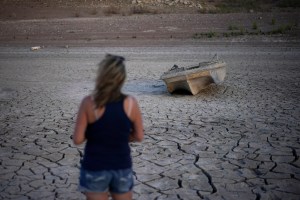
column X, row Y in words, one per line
column 111, row 10
column 94, row 11
column 142, row 10
column 77, row 14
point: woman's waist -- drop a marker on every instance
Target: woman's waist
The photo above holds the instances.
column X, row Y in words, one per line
column 107, row 148
column 106, row 161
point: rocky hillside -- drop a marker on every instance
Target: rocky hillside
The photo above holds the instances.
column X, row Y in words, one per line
column 186, row 3
column 34, row 9
column 201, row 4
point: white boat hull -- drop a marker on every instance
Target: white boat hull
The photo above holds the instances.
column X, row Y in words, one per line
column 196, row 79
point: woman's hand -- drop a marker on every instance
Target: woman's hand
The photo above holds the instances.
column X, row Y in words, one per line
column 131, row 138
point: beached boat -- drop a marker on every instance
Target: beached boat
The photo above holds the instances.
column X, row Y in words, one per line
column 194, row 78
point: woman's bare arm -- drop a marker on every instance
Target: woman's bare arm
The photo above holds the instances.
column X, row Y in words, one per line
column 138, row 128
column 81, row 123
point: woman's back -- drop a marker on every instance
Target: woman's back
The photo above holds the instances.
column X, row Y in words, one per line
column 107, row 139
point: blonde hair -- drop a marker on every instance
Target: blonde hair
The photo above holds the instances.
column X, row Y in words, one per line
column 110, row 79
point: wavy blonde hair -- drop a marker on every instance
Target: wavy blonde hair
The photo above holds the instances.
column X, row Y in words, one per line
column 110, row 79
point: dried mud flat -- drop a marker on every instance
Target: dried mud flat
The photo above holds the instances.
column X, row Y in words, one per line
column 236, row 140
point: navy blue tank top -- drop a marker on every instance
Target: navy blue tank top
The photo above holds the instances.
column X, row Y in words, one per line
column 107, row 146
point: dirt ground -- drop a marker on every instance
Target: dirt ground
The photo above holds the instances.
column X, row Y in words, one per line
column 45, row 9
column 120, row 22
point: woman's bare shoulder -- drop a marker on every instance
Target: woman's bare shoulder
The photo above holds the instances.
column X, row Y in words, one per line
column 87, row 100
column 131, row 98
column 131, row 101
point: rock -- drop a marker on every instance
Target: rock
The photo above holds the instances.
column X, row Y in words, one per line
column 35, row 48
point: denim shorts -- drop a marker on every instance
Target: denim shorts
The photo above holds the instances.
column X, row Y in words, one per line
column 115, row 181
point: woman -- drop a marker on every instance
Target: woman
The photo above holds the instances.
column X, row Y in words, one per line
column 108, row 120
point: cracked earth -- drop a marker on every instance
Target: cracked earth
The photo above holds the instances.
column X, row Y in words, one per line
column 236, row 140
